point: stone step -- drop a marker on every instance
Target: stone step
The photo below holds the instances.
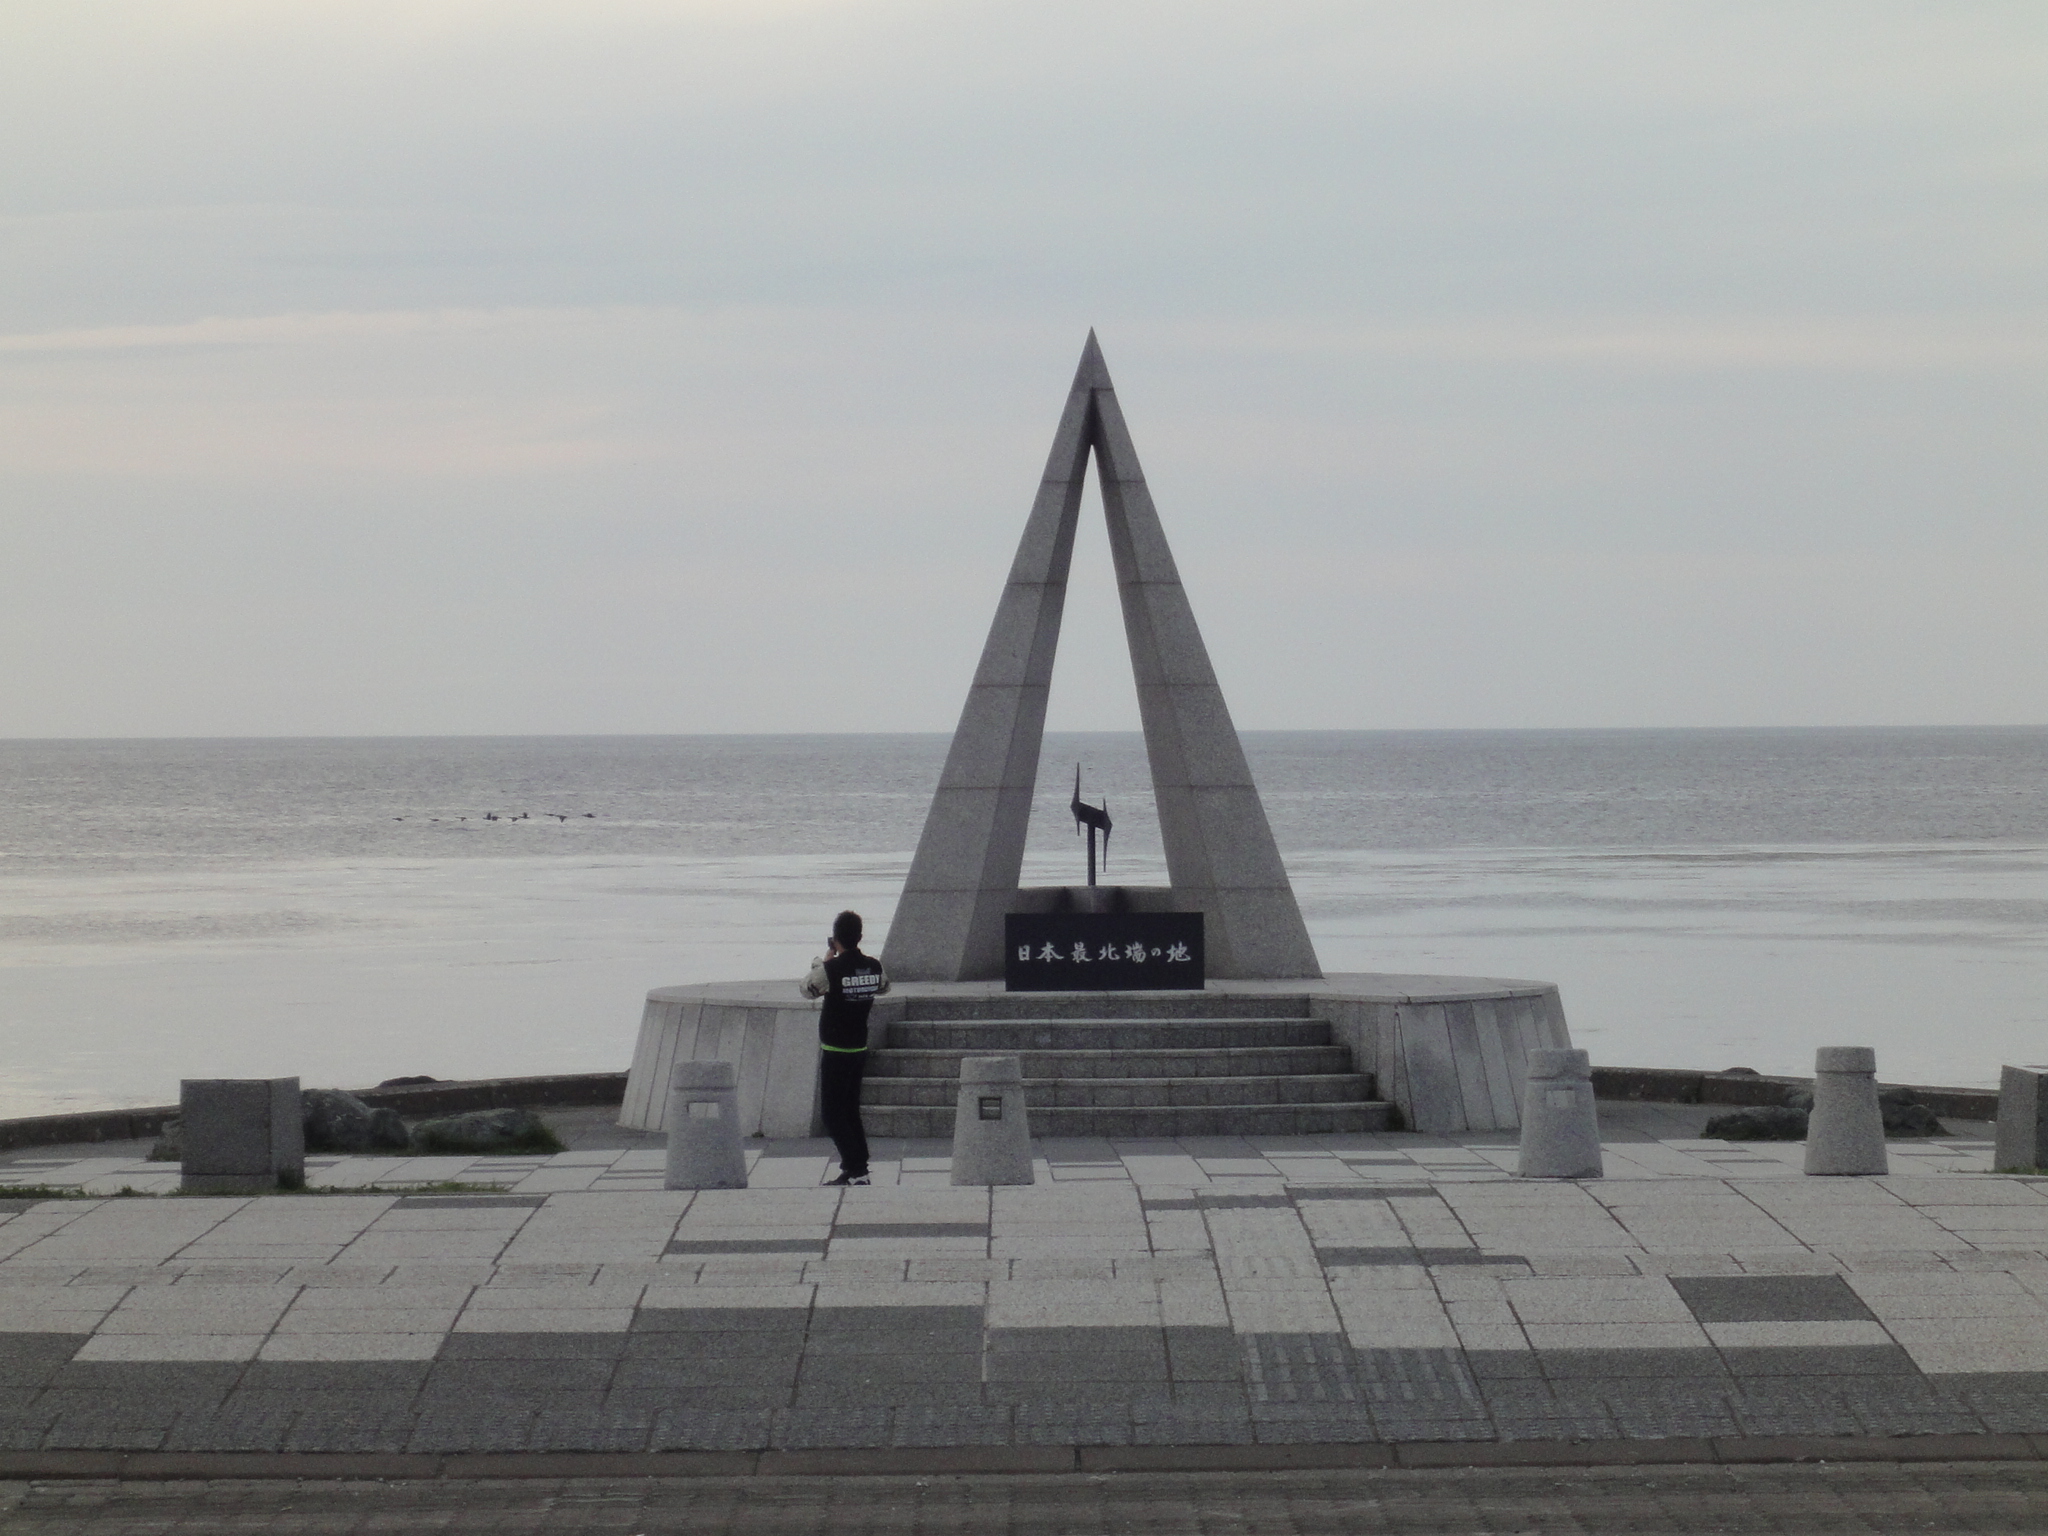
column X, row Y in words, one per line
column 1051, row 1034
column 1130, row 1092
column 1105, row 1005
column 1226, row 1061
column 1135, row 1124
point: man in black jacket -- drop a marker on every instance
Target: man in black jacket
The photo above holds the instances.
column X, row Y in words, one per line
column 849, row 982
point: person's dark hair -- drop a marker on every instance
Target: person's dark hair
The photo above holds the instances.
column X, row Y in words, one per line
column 846, row 929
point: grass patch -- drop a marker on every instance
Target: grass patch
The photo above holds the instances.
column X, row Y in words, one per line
column 535, row 1139
column 34, row 1192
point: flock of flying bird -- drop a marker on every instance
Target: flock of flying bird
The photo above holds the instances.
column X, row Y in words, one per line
column 522, row 816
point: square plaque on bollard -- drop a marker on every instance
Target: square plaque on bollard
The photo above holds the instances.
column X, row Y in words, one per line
column 1102, row 952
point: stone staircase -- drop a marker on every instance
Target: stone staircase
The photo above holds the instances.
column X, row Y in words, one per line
column 1126, row 1065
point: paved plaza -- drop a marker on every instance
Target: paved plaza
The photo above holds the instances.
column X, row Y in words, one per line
column 1368, row 1289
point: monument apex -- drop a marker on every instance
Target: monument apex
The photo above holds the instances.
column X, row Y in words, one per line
column 1220, row 856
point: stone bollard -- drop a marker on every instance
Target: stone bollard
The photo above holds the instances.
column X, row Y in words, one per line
column 1560, row 1124
column 241, row 1135
column 704, row 1149
column 991, row 1137
column 1845, row 1129
column 2022, row 1120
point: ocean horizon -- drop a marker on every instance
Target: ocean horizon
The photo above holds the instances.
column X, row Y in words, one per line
column 355, row 908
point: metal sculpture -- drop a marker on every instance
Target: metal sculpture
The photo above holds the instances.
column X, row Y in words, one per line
column 1096, row 819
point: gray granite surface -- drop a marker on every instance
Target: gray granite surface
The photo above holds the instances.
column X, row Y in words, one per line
column 1384, row 1288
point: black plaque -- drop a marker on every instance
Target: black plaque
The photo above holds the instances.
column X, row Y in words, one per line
column 1103, row 952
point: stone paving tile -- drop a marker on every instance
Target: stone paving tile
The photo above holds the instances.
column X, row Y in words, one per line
column 1682, row 1296
column 246, row 1421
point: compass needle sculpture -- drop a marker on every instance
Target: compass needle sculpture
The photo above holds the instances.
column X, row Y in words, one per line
column 1096, row 819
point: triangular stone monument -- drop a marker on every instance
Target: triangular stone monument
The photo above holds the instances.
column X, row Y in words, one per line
column 1220, row 853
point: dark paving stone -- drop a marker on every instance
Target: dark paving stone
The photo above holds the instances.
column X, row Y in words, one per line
column 359, row 1421
column 32, row 1359
column 1503, row 1364
column 1822, row 1360
column 1646, row 1412
column 107, row 1426
column 926, row 1394
column 807, row 1429
column 720, row 1320
column 2008, row 1413
column 1079, row 1341
column 1049, row 1371
column 482, row 1424
column 534, row 1379
column 965, row 1425
column 1702, row 1365
column 1523, row 1409
column 1770, row 1298
column 1208, row 1202
column 1084, row 1397
column 1416, row 1372
column 1203, row 1354
column 1303, row 1193
column 1225, row 1397
column 1902, row 1409
column 773, row 1354
column 182, row 1383
column 722, row 1397
column 1181, row 1427
column 1768, row 1407
column 895, row 1319
column 889, row 1229
column 1300, row 1368
column 314, row 1376
column 854, row 1371
column 677, row 1378
column 1321, row 1431
column 1588, row 1424
column 2015, row 1383
column 247, row 1421
column 1354, row 1257
column 586, row 1427
column 711, row 1429
column 854, row 1342
column 25, row 1429
column 534, row 1346
column 1392, row 1426
column 1044, row 1424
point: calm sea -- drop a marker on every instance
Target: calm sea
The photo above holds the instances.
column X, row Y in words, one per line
column 348, row 910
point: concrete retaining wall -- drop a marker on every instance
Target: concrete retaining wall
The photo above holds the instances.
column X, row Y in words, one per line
column 1451, row 1052
column 766, row 1029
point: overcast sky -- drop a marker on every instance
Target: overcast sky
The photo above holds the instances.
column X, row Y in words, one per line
column 589, row 367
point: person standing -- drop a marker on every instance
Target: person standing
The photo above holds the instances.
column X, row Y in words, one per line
column 849, row 982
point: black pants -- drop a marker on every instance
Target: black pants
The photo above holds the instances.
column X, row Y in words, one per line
column 839, row 1074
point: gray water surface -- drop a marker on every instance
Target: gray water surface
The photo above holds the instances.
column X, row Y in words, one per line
column 343, row 909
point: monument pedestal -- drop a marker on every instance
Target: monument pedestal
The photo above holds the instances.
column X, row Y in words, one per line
column 1449, row 1052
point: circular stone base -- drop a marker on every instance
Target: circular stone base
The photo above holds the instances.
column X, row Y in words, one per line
column 1450, row 1051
